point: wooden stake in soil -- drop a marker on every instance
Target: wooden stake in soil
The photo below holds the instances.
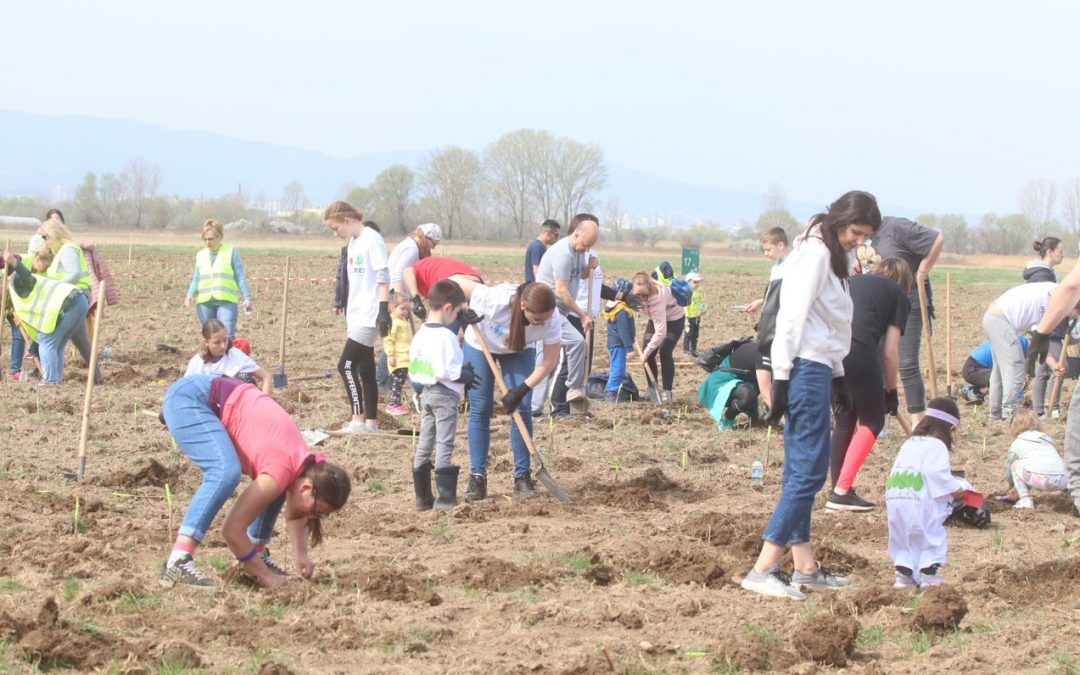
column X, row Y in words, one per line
column 3, row 291
column 948, row 334
column 91, row 370
column 281, row 380
column 131, row 242
column 927, row 334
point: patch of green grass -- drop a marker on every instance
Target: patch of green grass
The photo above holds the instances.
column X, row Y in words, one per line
column 177, row 666
column 427, row 590
column 921, row 642
column 1064, row 660
column 528, row 595
column 217, row 562
column 274, row 610
column 765, row 635
column 90, row 628
column 69, row 588
column 913, row 602
column 638, row 578
column 8, row 662
column 373, row 485
column 79, row 525
column 387, row 647
column 674, row 447
column 997, row 540
column 441, row 530
column 421, row 634
column 870, row 636
column 579, row 563
column 725, row 668
column 133, row 601
column 471, row 593
column 11, row 586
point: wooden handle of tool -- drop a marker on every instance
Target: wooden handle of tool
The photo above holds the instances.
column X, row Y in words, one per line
column 284, row 316
column 926, row 335
column 501, row 384
column 948, row 333
column 904, row 424
column 84, row 431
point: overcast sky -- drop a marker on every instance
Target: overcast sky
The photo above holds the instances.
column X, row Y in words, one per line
column 944, row 106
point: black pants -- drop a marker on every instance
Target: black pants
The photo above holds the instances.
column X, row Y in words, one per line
column 976, row 374
column 690, row 342
column 397, row 382
column 666, row 351
column 866, row 387
column 559, row 389
column 357, row 368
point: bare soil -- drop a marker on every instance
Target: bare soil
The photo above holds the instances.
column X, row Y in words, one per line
column 639, row 573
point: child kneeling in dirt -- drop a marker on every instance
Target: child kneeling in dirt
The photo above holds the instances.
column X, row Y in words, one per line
column 1033, row 461
column 919, row 495
column 436, row 363
column 220, row 357
column 228, row 428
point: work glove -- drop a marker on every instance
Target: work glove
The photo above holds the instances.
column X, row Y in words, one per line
column 632, row 301
column 418, row 307
column 513, row 398
column 779, row 401
column 467, row 377
column 892, row 402
column 969, row 515
column 470, row 317
column 1037, row 348
column 383, row 321
column 841, row 399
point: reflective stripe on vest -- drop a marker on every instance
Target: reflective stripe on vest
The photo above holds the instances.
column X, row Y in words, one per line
column 83, row 282
column 41, row 308
column 217, row 280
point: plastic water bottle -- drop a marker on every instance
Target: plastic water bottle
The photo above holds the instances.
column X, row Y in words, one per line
column 106, row 354
column 757, row 474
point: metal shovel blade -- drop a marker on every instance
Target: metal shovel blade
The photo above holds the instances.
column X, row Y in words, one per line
column 545, row 478
column 281, row 380
column 652, row 394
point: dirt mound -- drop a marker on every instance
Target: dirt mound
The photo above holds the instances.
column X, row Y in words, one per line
column 168, row 373
column 392, row 585
column 601, row 575
column 682, row 564
column 113, row 590
column 1026, row 586
column 124, row 375
column 274, row 668
column 629, row 498
column 828, row 639
column 839, row 560
column 154, row 474
column 750, row 651
column 52, row 642
column 941, row 610
column 654, row 480
column 738, row 535
column 179, row 654
column 492, row 574
column 866, row 600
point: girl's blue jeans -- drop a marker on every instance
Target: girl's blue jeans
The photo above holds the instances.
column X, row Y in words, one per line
column 515, row 368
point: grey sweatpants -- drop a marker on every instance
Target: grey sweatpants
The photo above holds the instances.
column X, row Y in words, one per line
column 540, row 392
column 909, row 350
column 438, row 422
column 1043, row 385
column 1008, row 377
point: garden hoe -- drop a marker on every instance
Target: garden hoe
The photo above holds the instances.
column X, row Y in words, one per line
column 281, row 380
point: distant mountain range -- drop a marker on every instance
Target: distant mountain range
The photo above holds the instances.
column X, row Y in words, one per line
column 40, row 152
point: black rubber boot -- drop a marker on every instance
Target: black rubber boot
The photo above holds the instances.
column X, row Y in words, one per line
column 421, row 480
column 477, row 488
column 446, row 484
column 524, row 487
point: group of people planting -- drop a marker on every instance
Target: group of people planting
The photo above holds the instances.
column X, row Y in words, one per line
column 833, row 346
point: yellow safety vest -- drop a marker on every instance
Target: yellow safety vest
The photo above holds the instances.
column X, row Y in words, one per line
column 217, row 281
column 40, row 309
column 83, row 282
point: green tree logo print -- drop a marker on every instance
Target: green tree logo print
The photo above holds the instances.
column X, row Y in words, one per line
column 905, row 479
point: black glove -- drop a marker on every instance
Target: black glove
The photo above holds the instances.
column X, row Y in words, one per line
column 513, row 398
column 632, row 301
column 892, row 402
column 467, row 377
column 969, row 515
column 383, row 320
column 470, row 317
column 1037, row 348
column 779, row 401
column 841, row 399
column 418, row 307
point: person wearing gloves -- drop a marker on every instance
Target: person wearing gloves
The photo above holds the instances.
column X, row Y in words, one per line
column 662, row 332
column 367, row 314
column 812, row 337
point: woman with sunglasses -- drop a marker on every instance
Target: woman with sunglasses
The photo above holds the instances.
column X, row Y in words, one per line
column 219, row 280
column 229, row 428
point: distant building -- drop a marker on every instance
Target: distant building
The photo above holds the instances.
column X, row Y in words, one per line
column 20, row 221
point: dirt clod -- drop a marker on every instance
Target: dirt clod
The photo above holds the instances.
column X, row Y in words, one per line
column 941, row 610
column 492, row 574
column 154, row 474
column 828, row 639
column 274, row 668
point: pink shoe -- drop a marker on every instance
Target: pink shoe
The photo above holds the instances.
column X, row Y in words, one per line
column 903, row 581
column 931, row 580
column 396, row 410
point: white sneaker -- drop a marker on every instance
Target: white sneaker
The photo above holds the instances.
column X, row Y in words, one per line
column 574, row 395
column 357, row 428
column 1024, row 503
column 774, row 583
column 1056, row 415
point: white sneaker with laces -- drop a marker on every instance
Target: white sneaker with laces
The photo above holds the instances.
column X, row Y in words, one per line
column 1024, row 503
column 774, row 583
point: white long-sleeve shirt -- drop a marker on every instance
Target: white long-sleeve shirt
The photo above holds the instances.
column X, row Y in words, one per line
column 1038, row 452
column 814, row 321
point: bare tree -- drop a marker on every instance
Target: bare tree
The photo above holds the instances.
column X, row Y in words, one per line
column 294, row 200
column 451, row 177
column 88, row 201
column 143, row 179
column 509, row 172
column 1070, row 206
column 393, row 190
column 1036, row 202
column 775, row 198
column 543, row 180
column 580, row 173
column 615, row 218
column 112, row 191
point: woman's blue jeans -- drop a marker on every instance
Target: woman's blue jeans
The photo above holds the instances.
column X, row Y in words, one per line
column 806, row 452
column 223, row 311
column 515, row 368
column 201, row 436
column 52, row 345
column 18, row 347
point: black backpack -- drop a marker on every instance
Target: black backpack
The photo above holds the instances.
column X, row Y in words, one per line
column 597, row 388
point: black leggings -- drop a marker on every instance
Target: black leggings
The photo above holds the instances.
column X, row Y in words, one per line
column 666, row 350
column 866, row 387
column 357, row 368
column 692, row 327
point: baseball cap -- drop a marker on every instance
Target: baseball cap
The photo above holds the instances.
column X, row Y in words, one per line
column 693, row 276
column 431, row 231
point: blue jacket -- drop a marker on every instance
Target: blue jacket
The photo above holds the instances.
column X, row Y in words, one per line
column 620, row 328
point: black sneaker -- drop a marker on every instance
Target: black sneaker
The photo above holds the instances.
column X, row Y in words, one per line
column 524, row 487
column 272, row 564
column 185, row 572
column 477, row 488
column 848, row 502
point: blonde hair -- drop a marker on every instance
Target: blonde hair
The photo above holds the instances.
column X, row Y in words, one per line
column 45, row 255
column 643, row 279
column 58, row 234
column 215, row 227
column 342, row 211
column 1024, row 419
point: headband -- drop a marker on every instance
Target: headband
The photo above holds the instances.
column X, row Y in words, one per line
column 943, row 416
column 319, row 459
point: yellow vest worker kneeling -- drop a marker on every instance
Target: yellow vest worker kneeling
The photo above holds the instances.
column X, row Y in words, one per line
column 55, row 311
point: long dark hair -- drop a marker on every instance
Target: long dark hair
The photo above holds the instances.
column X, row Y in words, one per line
column 539, row 299
column 935, row 428
column 852, row 208
column 331, row 484
column 1046, row 245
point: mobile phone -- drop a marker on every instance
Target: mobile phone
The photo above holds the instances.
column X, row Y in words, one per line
column 739, row 308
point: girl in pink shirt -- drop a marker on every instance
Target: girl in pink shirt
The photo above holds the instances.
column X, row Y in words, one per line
column 228, row 428
column 666, row 323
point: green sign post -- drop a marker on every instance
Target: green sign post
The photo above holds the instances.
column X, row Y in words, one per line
column 691, row 260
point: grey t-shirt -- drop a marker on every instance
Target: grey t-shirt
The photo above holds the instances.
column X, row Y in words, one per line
column 907, row 240
column 561, row 261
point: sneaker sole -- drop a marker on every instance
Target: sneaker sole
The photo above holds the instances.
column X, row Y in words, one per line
column 165, row 583
column 847, row 507
column 811, row 588
column 768, row 591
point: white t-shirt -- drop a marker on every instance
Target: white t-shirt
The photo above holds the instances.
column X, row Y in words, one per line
column 404, row 255
column 1024, row 305
column 493, row 303
column 435, row 356
column 582, row 297
column 232, row 363
column 1038, row 453
column 365, row 256
column 917, row 496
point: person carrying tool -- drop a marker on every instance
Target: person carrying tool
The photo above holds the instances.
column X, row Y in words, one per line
column 666, row 322
column 512, row 320
column 436, row 362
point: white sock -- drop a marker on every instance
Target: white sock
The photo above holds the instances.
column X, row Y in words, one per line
column 175, row 556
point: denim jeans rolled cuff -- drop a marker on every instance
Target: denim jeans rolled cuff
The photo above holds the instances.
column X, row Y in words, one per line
column 202, row 437
column 223, row 311
column 516, row 367
column 806, row 452
column 262, row 528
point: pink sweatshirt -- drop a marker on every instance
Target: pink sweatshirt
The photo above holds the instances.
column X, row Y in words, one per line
column 661, row 308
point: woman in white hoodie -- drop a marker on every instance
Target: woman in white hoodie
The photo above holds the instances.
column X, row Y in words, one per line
column 812, row 337
column 1033, row 462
